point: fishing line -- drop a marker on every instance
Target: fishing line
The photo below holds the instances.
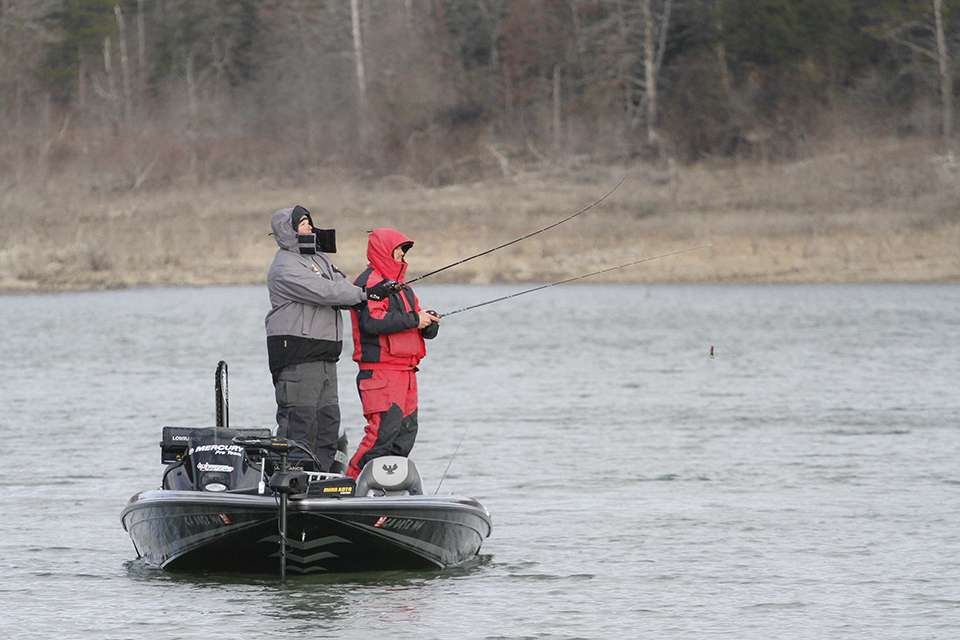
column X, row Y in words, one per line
column 546, row 286
column 574, row 279
column 529, row 235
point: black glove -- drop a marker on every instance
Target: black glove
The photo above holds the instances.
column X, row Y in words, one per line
column 430, row 331
column 382, row 290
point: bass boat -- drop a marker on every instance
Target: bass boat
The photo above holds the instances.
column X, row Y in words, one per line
column 230, row 501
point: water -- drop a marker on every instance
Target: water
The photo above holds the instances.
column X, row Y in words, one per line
column 802, row 483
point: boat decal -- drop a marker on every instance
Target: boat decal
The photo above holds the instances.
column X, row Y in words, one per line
column 311, row 569
column 399, row 524
column 306, row 546
column 292, row 557
column 219, row 449
column 206, row 466
column 344, row 490
column 351, row 517
column 420, row 547
column 426, row 550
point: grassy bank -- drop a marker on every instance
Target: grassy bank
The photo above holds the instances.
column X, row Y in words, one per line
column 883, row 211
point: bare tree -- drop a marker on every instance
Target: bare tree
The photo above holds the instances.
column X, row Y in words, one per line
column 720, row 49
column 141, row 44
column 557, row 123
column 193, row 110
column 124, row 64
column 111, row 92
column 923, row 33
column 618, row 46
column 360, row 70
column 649, row 72
column 408, row 14
column 946, row 77
column 22, row 35
column 642, row 27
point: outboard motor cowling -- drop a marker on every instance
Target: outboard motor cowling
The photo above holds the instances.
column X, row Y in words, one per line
column 201, row 456
column 217, row 466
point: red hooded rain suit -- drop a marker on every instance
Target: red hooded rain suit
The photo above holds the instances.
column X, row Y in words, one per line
column 388, row 346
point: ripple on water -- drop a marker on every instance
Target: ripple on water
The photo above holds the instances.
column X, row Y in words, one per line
column 868, row 432
column 638, row 490
column 776, row 605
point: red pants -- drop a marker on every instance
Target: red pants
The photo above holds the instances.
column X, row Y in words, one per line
column 389, row 400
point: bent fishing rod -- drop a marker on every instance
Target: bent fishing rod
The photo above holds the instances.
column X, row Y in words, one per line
column 574, row 279
column 524, row 237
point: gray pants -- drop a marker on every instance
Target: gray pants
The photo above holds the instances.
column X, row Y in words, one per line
column 308, row 410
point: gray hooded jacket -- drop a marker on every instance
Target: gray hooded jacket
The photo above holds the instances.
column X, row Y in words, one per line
column 304, row 323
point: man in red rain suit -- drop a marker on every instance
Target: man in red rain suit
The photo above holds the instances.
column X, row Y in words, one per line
column 388, row 345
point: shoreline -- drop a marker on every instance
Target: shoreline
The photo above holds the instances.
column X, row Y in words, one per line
column 720, row 283
column 909, row 256
column 832, row 265
column 10, row 291
column 894, row 219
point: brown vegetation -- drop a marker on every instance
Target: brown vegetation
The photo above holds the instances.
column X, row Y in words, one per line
column 147, row 141
column 862, row 211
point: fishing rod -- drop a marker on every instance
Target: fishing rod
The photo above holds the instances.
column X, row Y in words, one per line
column 529, row 235
column 450, row 461
column 587, row 275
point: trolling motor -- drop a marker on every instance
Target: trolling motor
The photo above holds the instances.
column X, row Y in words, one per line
column 282, row 481
column 224, row 459
column 218, row 459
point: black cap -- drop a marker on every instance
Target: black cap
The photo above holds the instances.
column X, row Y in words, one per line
column 299, row 213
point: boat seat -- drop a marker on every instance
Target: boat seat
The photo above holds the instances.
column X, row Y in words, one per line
column 389, row 476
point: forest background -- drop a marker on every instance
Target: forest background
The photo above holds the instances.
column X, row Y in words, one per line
column 148, row 141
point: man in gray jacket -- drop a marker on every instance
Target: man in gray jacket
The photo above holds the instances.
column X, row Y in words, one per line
column 305, row 334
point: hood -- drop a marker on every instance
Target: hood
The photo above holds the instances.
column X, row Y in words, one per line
column 380, row 245
column 283, row 231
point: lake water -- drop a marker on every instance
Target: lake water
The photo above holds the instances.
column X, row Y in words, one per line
column 802, row 483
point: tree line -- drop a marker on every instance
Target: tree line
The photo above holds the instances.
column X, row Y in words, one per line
column 158, row 92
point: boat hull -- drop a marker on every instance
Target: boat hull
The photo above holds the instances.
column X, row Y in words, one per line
column 201, row 531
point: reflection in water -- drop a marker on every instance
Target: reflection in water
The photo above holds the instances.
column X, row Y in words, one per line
column 305, row 604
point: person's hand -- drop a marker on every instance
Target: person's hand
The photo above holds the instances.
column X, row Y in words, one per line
column 382, row 290
column 427, row 318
